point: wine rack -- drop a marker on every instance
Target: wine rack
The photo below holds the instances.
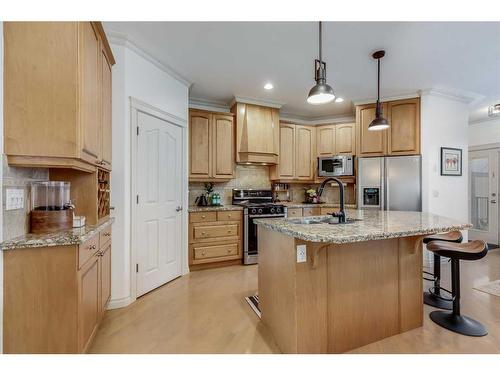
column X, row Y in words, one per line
column 103, row 193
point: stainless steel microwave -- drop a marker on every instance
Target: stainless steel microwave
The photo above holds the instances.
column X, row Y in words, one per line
column 340, row 165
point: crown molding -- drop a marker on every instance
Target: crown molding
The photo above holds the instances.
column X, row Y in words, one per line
column 254, row 101
column 387, row 98
column 209, row 105
column 320, row 120
column 459, row 96
column 124, row 40
column 483, row 120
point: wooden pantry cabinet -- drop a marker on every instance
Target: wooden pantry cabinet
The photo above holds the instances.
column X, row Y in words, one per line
column 55, row 296
column 57, row 97
column 297, row 154
column 215, row 238
column 401, row 138
column 336, row 139
column 211, row 146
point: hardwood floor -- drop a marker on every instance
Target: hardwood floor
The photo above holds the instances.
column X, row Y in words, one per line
column 205, row 312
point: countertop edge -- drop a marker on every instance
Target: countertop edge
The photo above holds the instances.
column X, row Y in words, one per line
column 67, row 238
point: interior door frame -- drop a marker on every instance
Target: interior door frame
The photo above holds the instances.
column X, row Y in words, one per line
column 137, row 106
column 486, row 147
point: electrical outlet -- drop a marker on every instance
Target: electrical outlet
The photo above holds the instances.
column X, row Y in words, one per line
column 14, row 199
column 301, row 254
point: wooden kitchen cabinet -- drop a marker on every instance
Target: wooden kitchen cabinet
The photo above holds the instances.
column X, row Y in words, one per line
column 55, row 297
column 345, row 139
column 401, row 138
column 305, row 142
column 335, row 139
column 369, row 142
column 297, row 153
column 106, row 101
column 404, row 133
column 54, row 95
column 215, row 238
column 211, row 146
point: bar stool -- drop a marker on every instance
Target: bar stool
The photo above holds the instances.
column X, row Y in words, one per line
column 453, row 320
column 433, row 297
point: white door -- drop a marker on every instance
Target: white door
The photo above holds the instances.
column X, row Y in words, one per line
column 159, row 190
column 483, row 195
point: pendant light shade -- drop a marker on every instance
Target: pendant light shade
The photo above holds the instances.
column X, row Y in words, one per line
column 322, row 92
column 379, row 123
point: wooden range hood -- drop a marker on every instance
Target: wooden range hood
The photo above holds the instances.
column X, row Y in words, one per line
column 257, row 133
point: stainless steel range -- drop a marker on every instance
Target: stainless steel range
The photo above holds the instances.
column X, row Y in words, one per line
column 258, row 204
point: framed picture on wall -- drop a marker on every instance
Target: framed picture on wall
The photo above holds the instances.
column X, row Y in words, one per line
column 451, row 161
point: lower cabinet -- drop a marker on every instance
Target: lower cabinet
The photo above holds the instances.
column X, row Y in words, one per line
column 55, row 297
column 215, row 238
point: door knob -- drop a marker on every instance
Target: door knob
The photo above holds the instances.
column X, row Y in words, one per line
column 493, row 201
column 179, row 208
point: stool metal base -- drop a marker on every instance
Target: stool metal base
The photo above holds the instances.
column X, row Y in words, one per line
column 458, row 323
column 432, row 300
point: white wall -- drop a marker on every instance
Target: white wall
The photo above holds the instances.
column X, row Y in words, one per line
column 444, row 123
column 485, row 132
column 133, row 76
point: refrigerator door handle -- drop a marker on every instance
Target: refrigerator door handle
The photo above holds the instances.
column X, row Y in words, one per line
column 382, row 184
column 386, row 186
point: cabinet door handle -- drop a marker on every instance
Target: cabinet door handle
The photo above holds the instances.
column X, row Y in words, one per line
column 202, row 253
column 178, row 208
column 203, row 216
column 92, row 247
column 229, row 251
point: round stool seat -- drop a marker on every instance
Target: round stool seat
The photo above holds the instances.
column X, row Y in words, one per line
column 466, row 251
column 453, row 236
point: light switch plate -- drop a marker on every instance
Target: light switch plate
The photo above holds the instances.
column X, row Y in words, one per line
column 301, row 254
column 14, row 199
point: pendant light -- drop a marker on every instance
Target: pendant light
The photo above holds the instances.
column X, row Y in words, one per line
column 379, row 123
column 322, row 92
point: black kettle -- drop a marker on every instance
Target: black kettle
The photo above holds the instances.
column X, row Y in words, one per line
column 201, row 201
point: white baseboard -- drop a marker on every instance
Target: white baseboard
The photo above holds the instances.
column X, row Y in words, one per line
column 119, row 303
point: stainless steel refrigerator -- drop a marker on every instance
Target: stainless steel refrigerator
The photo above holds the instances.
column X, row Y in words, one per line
column 391, row 183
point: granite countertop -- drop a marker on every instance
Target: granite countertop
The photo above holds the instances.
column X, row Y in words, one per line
column 227, row 207
column 311, row 205
column 373, row 225
column 72, row 237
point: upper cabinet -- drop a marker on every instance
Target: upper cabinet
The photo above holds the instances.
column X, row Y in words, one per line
column 336, row 139
column 257, row 133
column 211, row 146
column 404, row 135
column 401, row 138
column 57, row 97
column 297, row 153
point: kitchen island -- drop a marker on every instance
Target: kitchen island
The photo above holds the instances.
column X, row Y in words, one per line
column 330, row 288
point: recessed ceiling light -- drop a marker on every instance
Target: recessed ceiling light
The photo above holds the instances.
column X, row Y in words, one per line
column 339, row 100
column 269, row 86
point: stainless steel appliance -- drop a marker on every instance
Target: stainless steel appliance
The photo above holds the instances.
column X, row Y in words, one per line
column 392, row 183
column 258, row 204
column 339, row 165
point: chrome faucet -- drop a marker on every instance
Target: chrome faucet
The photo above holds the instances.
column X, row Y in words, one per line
column 341, row 213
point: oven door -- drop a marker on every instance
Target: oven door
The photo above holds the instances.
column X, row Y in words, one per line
column 251, row 251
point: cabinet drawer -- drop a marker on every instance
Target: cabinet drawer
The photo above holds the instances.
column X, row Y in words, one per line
column 201, row 217
column 294, row 212
column 228, row 215
column 215, row 252
column 104, row 237
column 87, row 249
column 216, row 231
column 312, row 211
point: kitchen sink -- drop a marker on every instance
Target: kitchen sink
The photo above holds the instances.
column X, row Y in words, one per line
column 322, row 220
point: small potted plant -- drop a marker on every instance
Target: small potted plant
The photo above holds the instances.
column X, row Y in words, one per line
column 311, row 195
column 209, row 188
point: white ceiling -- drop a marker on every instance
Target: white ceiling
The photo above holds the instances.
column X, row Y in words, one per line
column 224, row 59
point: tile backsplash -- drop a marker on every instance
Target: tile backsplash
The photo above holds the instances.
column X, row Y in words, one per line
column 257, row 177
column 16, row 222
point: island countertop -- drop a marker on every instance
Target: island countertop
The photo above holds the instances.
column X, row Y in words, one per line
column 372, row 225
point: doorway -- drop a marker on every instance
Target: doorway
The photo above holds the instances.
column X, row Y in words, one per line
column 158, row 219
column 483, row 195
